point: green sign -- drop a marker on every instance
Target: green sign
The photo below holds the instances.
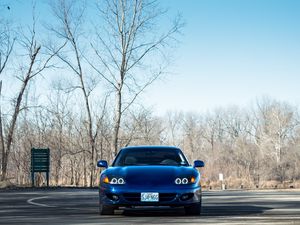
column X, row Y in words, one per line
column 40, row 162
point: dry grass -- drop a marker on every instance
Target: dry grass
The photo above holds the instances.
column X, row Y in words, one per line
column 6, row 184
column 240, row 183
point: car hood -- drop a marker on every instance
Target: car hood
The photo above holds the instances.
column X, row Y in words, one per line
column 151, row 175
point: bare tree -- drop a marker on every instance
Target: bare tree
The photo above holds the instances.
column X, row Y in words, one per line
column 141, row 128
column 192, row 131
column 36, row 64
column 59, row 113
column 174, row 129
column 6, row 47
column 7, row 41
column 70, row 17
column 131, row 41
column 278, row 122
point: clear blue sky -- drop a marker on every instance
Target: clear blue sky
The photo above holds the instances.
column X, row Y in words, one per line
column 232, row 52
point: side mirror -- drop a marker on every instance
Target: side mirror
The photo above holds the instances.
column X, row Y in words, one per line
column 102, row 163
column 198, row 163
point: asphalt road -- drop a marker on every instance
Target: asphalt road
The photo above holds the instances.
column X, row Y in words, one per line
column 80, row 206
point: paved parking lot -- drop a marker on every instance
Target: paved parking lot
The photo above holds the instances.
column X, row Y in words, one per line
column 80, row 206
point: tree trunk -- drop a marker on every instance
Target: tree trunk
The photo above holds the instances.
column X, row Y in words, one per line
column 11, row 129
column 84, row 170
column 117, row 121
column 15, row 115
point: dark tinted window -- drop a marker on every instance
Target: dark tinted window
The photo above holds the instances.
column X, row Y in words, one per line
column 148, row 156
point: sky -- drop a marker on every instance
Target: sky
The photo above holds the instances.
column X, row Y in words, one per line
column 232, row 52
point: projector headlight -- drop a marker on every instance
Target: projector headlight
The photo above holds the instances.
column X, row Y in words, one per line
column 113, row 180
column 185, row 180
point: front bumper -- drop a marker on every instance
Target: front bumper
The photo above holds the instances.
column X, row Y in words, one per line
column 120, row 196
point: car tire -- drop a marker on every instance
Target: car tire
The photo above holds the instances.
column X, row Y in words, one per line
column 193, row 210
column 106, row 209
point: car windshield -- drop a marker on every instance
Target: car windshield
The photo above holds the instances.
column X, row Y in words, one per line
column 149, row 156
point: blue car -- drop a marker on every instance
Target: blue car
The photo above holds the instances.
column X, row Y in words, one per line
column 150, row 176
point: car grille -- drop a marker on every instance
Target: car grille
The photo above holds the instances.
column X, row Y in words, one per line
column 136, row 197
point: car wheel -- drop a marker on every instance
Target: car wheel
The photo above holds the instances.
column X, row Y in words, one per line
column 106, row 209
column 194, row 209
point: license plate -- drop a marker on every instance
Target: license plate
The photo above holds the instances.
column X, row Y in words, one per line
column 149, row 197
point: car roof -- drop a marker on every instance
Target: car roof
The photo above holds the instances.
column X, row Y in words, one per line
column 152, row 147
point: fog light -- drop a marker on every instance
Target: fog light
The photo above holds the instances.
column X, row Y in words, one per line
column 115, row 197
column 185, row 197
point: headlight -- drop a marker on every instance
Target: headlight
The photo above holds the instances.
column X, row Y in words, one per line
column 114, row 180
column 185, row 180
column 121, row 181
column 178, row 181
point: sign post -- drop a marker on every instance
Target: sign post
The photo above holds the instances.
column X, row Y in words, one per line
column 40, row 162
column 221, row 178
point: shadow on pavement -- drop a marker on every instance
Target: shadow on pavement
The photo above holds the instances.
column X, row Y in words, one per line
column 219, row 210
column 233, row 210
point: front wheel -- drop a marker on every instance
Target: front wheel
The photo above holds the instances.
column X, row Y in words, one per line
column 106, row 209
column 194, row 209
